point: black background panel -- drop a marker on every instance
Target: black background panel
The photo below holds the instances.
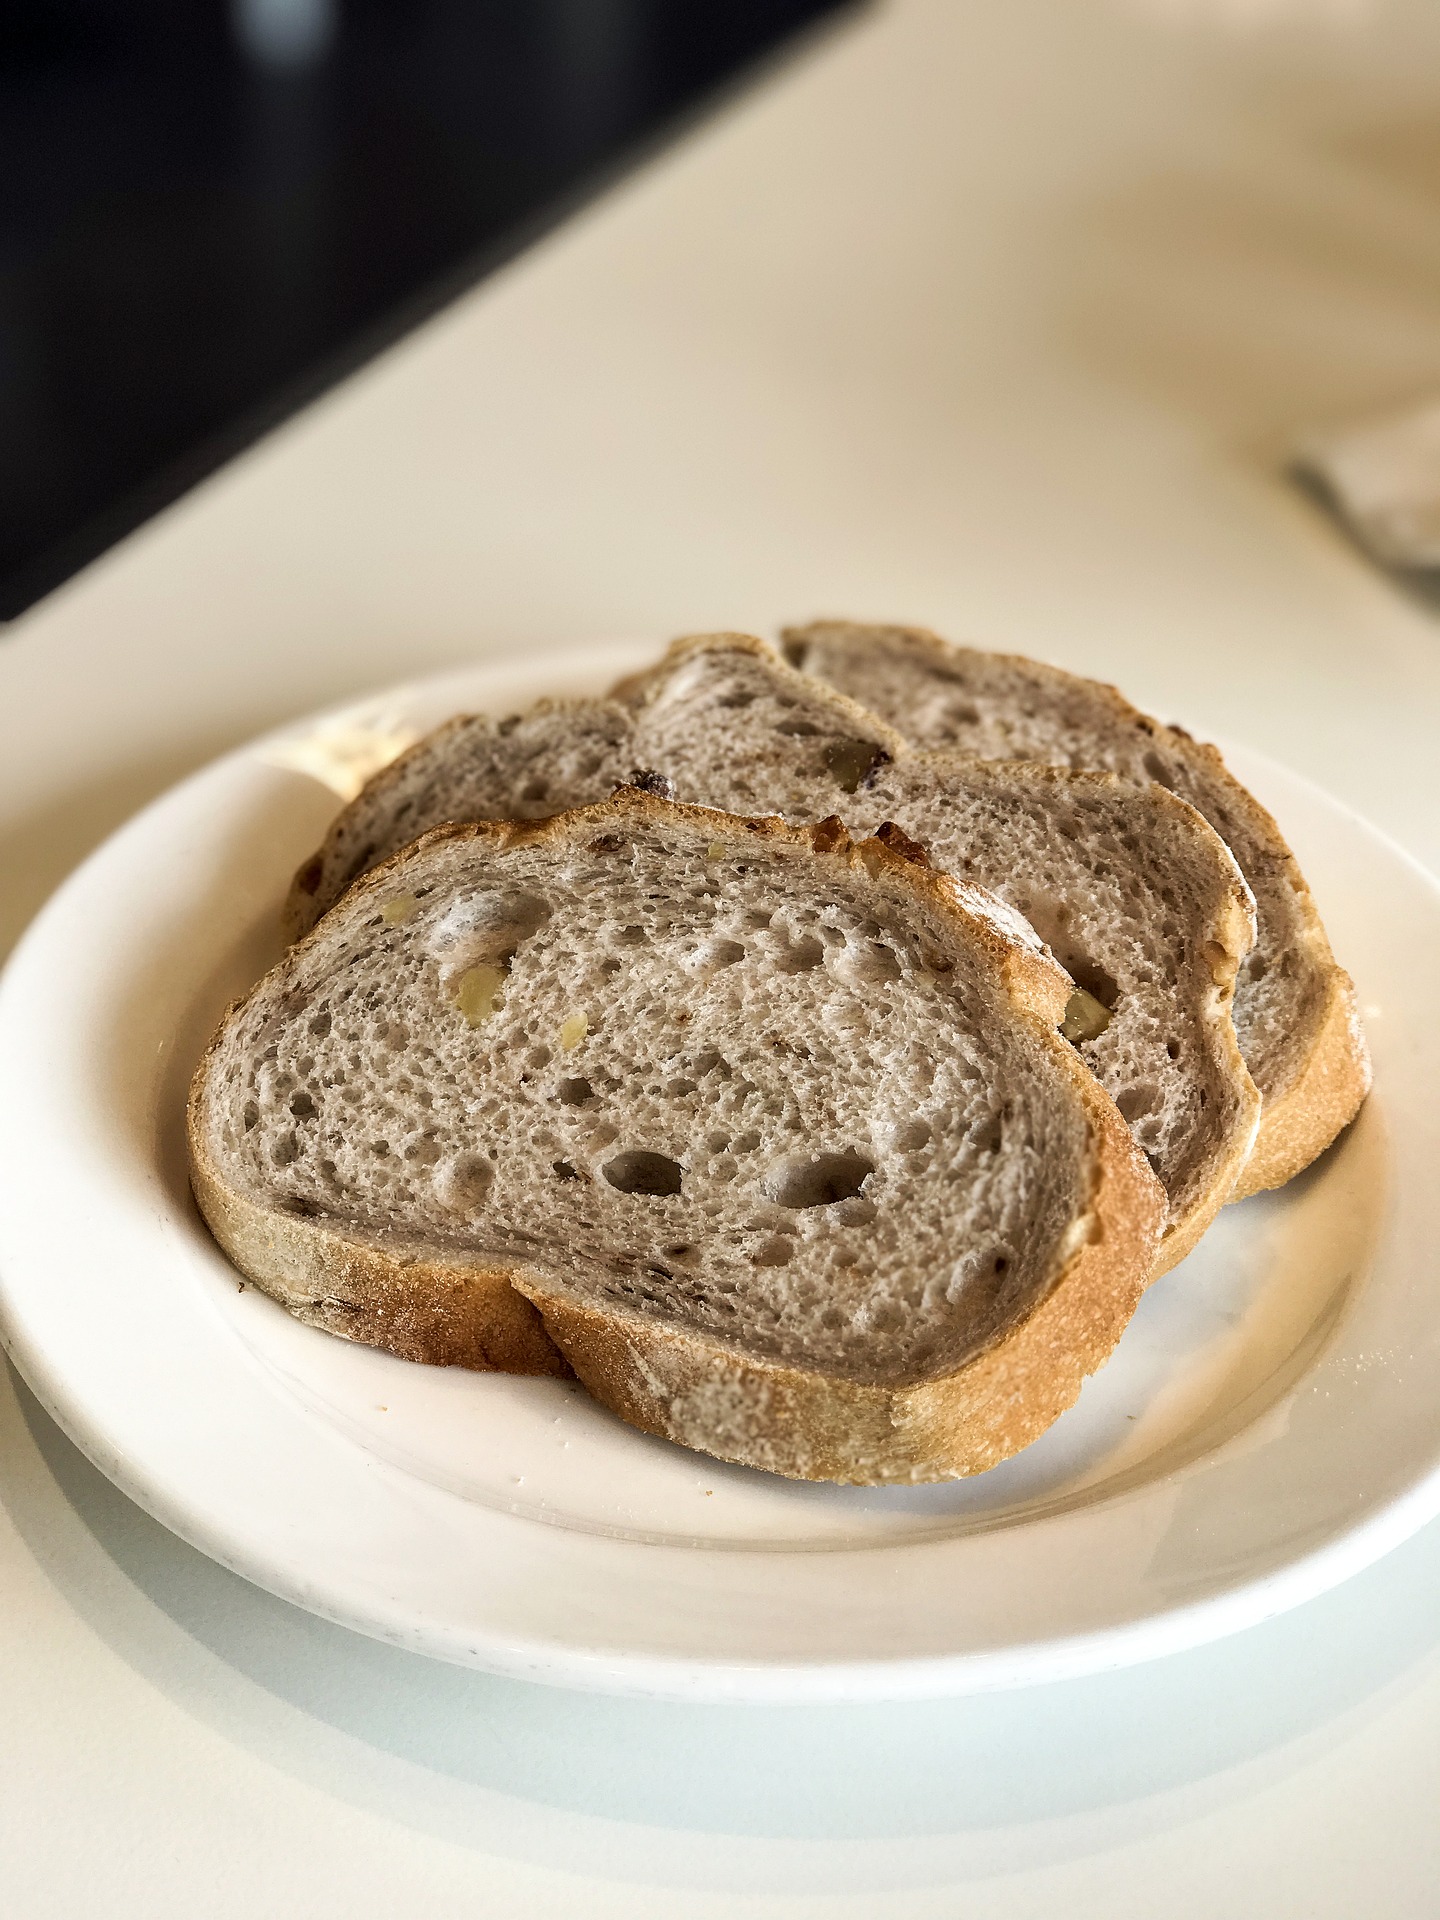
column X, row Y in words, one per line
column 208, row 211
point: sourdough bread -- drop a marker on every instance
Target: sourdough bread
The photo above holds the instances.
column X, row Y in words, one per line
column 774, row 1131
column 1137, row 895
column 1295, row 1012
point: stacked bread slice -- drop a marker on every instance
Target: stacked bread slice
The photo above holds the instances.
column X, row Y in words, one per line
column 1295, row 1013
column 823, row 1099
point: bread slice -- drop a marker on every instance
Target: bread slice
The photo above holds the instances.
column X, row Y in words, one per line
column 1295, row 1012
column 1138, row 898
column 775, row 1131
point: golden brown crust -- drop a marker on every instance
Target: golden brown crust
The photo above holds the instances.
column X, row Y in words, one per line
column 452, row 1312
column 443, row 1313
column 1330, row 1082
column 1297, row 1128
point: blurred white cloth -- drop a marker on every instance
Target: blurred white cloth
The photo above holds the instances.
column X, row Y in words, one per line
column 1383, row 476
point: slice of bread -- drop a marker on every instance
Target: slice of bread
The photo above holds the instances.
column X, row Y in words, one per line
column 1295, row 1011
column 775, row 1131
column 1138, row 897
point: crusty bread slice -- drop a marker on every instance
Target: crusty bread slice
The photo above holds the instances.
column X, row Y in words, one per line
column 775, row 1131
column 1139, row 899
column 1295, row 1012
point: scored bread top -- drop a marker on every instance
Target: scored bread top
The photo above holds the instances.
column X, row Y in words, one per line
column 704, row 1087
column 1295, row 1014
column 1139, row 898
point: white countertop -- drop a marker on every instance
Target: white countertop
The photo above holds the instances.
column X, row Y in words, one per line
column 995, row 318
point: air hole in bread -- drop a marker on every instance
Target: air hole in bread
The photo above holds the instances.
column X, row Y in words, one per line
column 774, row 1252
column 463, row 1183
column 798, row 956
column 575, row 1093
column 320, row 1024
column 638, row 1171
column 302, row 1106
column 285, row 1150
column 484, row 929
column 1135, row 1102
column 818, row 1182
column 563, row 1170
column 1158, row 771
column 250, row 1116
column 1090, row 975
column 798, row 729
column 716, row 954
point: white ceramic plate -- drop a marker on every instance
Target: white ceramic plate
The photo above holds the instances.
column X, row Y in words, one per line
column 1269, row 1424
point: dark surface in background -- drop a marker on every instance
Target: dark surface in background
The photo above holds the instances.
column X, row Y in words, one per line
column 209, row 211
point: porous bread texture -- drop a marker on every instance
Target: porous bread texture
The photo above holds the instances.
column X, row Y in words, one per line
column 1140, row 899
column 1295, row 1013
column 529, row 766
column 775, row 1131
column 1137, row 897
